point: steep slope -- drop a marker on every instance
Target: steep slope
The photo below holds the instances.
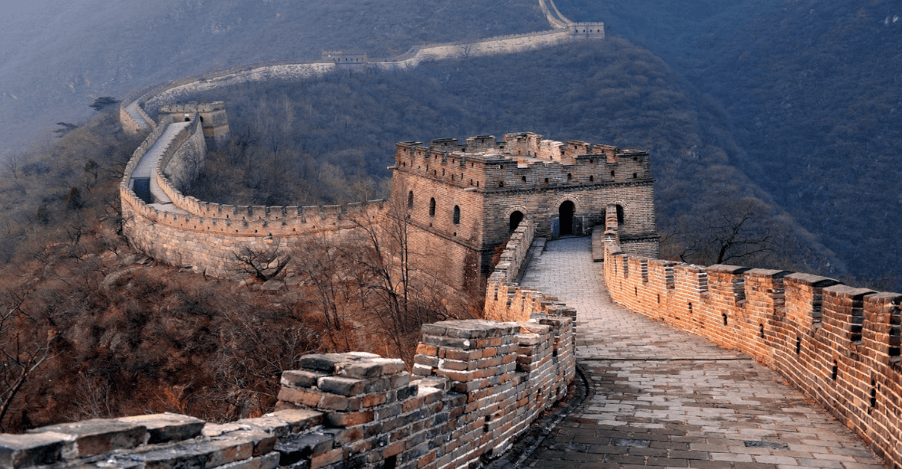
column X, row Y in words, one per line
column 811, row 97
column 56, row 57
column 307, row 139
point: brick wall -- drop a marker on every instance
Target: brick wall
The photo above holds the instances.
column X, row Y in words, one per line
column 485, row 182
column 839, row 345
column 207, row 236
column 475, row 387
column 505, row 299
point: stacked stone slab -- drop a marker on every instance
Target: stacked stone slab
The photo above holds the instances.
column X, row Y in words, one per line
column 478, row 384
column 507, row 372
column 838, row 344
column 162, row 440
column 370, row 408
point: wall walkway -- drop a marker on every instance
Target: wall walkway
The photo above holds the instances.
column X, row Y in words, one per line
column 664, row 397
column 135, row 118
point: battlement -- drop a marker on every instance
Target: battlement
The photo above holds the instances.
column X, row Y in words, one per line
column 523, row 160
column 192, row 107
column 838, row 344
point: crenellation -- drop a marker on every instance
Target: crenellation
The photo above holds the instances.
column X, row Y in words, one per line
column 564, row 188
column 838, row 344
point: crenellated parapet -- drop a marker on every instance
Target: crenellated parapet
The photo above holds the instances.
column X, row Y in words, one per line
column 184, row 231
column 475, row 387
column 838, row 344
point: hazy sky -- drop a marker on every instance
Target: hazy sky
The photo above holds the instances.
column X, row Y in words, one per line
column 11, row 8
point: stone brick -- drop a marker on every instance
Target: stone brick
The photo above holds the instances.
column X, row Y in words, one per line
column 301, row 378
column 292, row 450
column 99, row 435
column 32, row 450
column 162, row 428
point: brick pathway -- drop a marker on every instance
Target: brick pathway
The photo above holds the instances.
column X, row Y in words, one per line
column 663, row 397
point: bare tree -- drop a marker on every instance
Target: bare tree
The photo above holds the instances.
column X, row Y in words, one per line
column 23, row 350
column 729, row 232
column 389, row 287
column 251, row 359
column 263, row 264
column 323, row 266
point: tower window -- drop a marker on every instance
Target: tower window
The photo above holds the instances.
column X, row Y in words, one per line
column 456, row 215
column 410, row 199
column 432, row 207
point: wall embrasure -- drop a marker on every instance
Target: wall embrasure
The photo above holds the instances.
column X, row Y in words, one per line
column 838, row 344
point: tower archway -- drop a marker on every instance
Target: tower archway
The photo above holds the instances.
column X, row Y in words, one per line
column 515, row 220
column 565, row 215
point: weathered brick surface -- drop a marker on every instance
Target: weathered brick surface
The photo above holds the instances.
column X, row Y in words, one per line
column 485, row 383
column 839, row 345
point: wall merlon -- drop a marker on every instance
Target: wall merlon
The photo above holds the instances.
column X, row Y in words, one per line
column 840, row 345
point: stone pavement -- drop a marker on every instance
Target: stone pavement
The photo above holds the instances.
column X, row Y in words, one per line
column 662, row 397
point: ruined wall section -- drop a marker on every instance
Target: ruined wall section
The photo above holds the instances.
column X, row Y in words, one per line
column 475, row 386
column 839, row 345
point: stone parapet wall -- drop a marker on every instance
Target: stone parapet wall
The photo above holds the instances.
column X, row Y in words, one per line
column 475, row 387
column 505, row 300
column 839, row 345
column 207, row 236
column 513, row 258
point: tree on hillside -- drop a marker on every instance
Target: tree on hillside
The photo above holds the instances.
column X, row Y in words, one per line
column 23, row 350
column 729, row 232
column 103, row 103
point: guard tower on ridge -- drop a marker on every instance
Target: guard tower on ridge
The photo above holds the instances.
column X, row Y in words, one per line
column 465, row 200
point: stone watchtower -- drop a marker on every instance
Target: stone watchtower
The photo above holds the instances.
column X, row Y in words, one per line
column 465, row 200
column 213, row 119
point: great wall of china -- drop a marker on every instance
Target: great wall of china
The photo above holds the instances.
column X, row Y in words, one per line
column 184, row 231
column 474, row 386
column 839, row 345
column 135, row 118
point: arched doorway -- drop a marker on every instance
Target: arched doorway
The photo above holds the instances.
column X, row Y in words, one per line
column 566, row 217
column 516, row 218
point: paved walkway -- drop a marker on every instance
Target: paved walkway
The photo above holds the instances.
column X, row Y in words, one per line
column 148, row 162
column 663, row 397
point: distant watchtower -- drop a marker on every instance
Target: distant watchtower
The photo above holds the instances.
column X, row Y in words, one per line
column 345, row 57
column 587, row 30
column 465, row 200
column 213, row 119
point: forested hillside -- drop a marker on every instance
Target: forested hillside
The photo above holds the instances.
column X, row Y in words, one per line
column 791, row 106
column 328, row 140
column 811, row 93
column 57, row 56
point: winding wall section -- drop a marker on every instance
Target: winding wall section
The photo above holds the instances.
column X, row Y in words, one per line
column 135, row 117
column 183, row 231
